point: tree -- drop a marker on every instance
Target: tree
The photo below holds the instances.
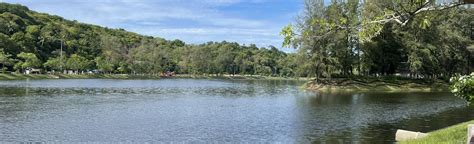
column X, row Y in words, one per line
column 404, row 12
column 225, row 59
column 113, row 49
column 378, row 37
column 27, row 60
column 76, row 62
column 201, row 60
column 5, row 60
column 52, row 39
column 140, row 58
column 103, row 65
column 56, row 63
column 376, row 14
column 463, row 87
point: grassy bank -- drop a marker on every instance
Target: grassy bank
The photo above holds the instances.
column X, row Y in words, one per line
column 65, row 76
column 387, row 84
column 451, row 135
column 127, row 76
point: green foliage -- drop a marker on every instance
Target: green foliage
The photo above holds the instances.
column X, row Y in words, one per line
column 288, row 35
column 5, row 60
column 27, row 60
column 104, row 65
column 57, row 63
column 463, row 87
column 76, row 62
column 332, row 40
column 69, row 45
column 367, row 38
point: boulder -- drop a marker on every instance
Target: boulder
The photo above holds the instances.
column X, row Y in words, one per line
column 403, row 135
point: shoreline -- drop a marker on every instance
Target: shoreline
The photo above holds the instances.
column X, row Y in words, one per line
column 376, row 85
column 321, row 85
column 131, row 77
column 453, row 134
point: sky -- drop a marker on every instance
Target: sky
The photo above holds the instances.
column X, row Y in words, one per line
column 193, row 21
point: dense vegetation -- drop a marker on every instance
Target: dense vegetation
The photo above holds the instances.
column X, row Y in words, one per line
column 418, row 38
column 344, row 38
column 463, row 87
column 30, row 39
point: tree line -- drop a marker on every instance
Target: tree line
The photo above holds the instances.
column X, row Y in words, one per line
column 418, row 38
column 30, row 39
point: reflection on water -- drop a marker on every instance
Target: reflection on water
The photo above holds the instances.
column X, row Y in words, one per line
column 184, row 110
column 375, row 117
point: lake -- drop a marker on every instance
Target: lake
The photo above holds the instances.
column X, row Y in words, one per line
column 189, row 110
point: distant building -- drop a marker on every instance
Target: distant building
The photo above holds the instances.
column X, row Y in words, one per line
column 32, row 71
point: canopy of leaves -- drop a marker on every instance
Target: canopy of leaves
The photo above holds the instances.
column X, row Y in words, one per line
column 419, row 38
column 28, row 60
column 463, row 87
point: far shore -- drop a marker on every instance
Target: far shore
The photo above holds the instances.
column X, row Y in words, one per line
column 5, row 76
column 321, row 85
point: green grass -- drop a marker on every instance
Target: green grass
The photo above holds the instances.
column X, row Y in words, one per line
column 22, row 76
column 451, row 135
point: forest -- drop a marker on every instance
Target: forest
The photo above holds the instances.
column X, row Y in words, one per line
column 342, row 38
column 30, row 39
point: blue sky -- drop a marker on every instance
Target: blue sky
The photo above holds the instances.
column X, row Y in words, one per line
column 194, row 21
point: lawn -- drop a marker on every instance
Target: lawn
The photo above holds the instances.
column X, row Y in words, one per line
column 451, row 135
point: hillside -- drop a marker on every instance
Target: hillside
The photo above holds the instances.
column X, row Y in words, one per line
column 30, row 39
column 23, row 30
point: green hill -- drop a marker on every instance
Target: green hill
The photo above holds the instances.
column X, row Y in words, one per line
column 23, row 30
column 30, row 39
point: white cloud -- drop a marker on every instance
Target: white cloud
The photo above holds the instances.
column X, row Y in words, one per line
column 217, row 31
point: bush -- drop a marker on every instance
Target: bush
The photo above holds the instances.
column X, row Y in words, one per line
column 463, row 87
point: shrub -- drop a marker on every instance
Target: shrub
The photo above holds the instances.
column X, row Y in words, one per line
column 463, row 87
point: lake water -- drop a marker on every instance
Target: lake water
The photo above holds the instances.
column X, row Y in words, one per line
column 187, row 110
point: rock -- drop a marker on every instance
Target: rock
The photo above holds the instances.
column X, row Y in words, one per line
column 403, row 135
column 470, row 134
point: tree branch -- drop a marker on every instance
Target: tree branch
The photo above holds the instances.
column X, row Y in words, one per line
column 405, row 18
